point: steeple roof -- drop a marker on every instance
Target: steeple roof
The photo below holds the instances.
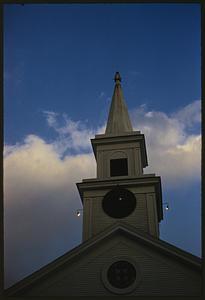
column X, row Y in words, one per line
column 118, row 119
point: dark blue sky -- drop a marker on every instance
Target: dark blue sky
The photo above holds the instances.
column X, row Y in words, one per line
column 59, row 64
column 59, row 55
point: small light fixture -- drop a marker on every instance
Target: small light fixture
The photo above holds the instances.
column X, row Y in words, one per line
column 78, row 212
column 167, row 205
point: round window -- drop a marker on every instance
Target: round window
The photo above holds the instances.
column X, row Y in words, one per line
column 121, row 274
column 119, row 203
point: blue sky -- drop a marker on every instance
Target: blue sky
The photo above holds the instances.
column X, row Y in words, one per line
column 59, row 64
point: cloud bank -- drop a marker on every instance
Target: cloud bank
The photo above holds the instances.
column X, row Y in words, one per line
column 173, row 152
column 40, row 200
column 39, row 180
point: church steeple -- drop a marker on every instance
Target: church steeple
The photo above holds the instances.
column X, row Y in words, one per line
column 118, row 119
column 121, row 191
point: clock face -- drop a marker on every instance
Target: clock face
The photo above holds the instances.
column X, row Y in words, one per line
column 119, row 203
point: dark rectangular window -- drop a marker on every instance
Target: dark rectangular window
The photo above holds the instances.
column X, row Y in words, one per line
column 118, row 167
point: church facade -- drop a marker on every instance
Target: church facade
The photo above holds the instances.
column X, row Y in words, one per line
column 121, row 252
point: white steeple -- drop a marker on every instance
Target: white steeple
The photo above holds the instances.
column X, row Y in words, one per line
column 118, row 119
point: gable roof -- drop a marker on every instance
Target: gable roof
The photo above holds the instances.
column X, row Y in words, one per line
column 182, row 256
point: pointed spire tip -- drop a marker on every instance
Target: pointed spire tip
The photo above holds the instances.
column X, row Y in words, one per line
column 117, row 77
column 118, row 118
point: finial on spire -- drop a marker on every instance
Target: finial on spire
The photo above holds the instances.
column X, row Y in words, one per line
column 118, row 118
column 117, row 77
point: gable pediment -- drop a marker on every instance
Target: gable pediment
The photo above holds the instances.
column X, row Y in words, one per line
column 120, row 240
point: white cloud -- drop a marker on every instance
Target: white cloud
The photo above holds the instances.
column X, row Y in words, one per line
column 173, row 153
column 40, row 199
column 177, row 164
column 190, row 114
column 39, row 180
column 71, row 135
column 51, row 118
column 36, row 165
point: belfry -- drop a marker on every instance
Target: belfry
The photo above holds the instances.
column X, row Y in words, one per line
column 121, row 193
column 121, row 251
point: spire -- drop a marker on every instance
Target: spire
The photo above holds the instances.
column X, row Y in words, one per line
column 118, row 119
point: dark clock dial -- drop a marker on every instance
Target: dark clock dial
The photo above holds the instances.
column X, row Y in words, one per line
column 119, row 203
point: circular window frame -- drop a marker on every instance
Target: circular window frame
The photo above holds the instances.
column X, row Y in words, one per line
column 128, row 289
column 107, row 203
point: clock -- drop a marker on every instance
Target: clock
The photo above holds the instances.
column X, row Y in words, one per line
column 119, row 202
